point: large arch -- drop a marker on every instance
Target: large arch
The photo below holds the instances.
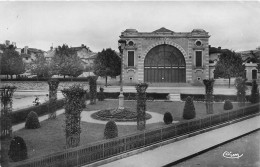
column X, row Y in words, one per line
column 143, row 55
column 164, row 64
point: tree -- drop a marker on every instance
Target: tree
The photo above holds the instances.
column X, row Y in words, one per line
column 141, row 105
column 11, row 62
column 189, row 109
column 241, row 87
column 254, row 98
column 255, row 59
column 74, row 100
column 66, row 62
column 230, row 64
column 40, row 67
column 107, row 63
column 209, row 83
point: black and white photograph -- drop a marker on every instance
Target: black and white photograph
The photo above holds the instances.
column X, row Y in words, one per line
column 130, row 83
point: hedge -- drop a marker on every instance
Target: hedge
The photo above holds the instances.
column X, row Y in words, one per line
column 19, row 116
column 217, row 98
column 132, row 96
column 163, row 96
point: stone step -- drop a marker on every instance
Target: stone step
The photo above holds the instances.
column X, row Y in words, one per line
column 174, row 97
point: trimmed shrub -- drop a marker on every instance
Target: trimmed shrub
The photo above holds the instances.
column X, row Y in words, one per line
column 92, row 89
column 32, row 121
column 189, row 109
column 18, row 149
column 101, row 95
column 254, row 98
column 228, row 105
column 241, row 87
column 111, row 130
column 167, row 118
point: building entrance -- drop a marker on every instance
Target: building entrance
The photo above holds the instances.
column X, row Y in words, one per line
column 164, row 63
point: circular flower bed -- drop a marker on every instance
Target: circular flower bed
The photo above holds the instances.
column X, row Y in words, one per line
column 118, row 115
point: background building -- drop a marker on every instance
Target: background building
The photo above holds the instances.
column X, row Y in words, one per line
column 251, row 59
column 165, row 56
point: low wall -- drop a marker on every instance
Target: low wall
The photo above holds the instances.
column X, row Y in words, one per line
column 108, row 148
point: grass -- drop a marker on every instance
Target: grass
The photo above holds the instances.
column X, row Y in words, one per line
column 50, row 138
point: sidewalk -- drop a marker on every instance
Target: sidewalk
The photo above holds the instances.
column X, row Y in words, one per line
column 178, row 150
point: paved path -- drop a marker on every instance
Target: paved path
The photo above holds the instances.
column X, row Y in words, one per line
column 189, row 146
column 24, row 99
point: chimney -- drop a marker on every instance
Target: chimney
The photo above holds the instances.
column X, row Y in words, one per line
column 7, row 42
column 82, row 45
column 219, row 48
column 209, row 46
column 25, row 49
column 51, row 47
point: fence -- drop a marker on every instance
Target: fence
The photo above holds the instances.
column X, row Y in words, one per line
column 84, row 155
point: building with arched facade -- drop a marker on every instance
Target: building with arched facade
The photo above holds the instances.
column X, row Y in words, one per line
column 165, row 56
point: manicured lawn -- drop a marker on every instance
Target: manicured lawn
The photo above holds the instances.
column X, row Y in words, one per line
column 50, row 138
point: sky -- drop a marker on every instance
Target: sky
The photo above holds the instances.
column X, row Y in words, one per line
column 231, row 24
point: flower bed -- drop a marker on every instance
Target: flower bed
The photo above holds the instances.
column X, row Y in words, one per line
column 125, row 115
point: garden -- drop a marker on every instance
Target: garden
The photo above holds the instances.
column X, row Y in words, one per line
column 68, row 130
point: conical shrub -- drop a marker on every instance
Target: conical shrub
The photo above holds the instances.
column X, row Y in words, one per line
column 18, row 149
column 228, row 105
column 32, row 121
column 111, row 130
column 189, row 109
column 167, row 118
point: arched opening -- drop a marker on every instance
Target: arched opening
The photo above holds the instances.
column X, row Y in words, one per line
column 164, row 63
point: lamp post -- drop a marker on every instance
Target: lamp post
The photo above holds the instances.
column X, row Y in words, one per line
column 121, row 46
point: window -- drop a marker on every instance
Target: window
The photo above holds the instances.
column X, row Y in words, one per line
column 131, row 43
column 198, row 43
column 254, row 74
column 131, row 58
column 198, row 58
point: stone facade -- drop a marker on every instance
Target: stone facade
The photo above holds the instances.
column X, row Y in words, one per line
column 187, row 43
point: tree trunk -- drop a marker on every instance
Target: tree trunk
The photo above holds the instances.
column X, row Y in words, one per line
column 228, row 82
column 6, row 76
column 12, row 77
column 106, row 81
column 64, row 76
